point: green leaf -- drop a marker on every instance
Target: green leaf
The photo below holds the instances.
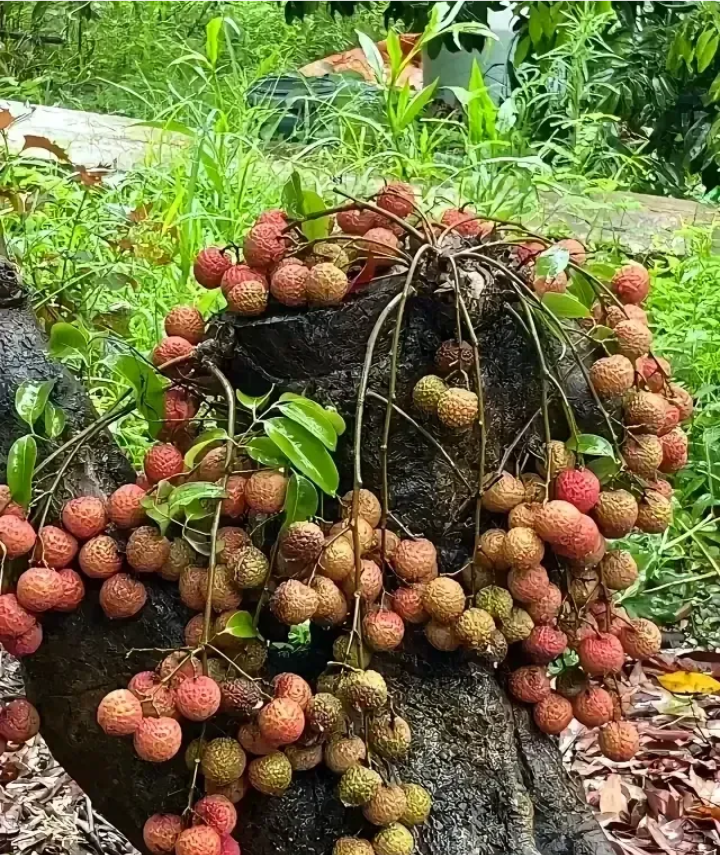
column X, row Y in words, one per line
column 207, row 438
column 705, row 50
column 159, row 512
column 30, row 399
column 148, row 387
column 292, row 195
column 535, row 25
column 66, row 340
column 263, row 450
column 589, row 443
column 337, row 421
column 313, row 419
column 521, row 51
column 714, row 91
column 240, row 625
column 602, row 270
column 212, row 39
column 20, row 468
column 581, row 288
column 211, row 302
column 416, row 105
column 319, row 227
column 195, row 491
column 601, row 333
column 565, row 306
column 305, row 453
column 372, row 55
column 551, row 262
column 54, row 420
column 254, row 404
column 301, row 500
column 605, row 468
column 394, row 50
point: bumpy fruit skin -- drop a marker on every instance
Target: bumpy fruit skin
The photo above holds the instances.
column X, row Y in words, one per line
column 230, row 846
column 281, row 721
column 160, row 833
column 474, row 628
column 618, row 570
column 223, row 760
column 14, row 619
column 16, row 535
column 157, row 740
column 240, row 697
column 523, row 548
column 24, row 645
column 170, row 348
column 352, row 845
column 371, row 582
column 641, row 639
column 544, row 644
column 271, row 774
column 383, row 629
column 579, row 487
column 147, row 549
column 444, row 599
column 250, row 568
column 198, row 840
column 100, row 557
column 302, row 541
column 616, row 512
column 407, row 602
column 398, row 198
column 416, row 560
column 634, row 339
column 179, row 408
column 234, row 504
column 654, row 513
column 451, row 357
column 249, row 298
column 186, row 322
column 265, row 491
column 368, row 507
column 615, row 315
column 252, row 741
column 343, row 752
column 288, row 285
column 619, row 741
column 394, row 839
column 427, row 393
column 121, row 596
column 356, row 222
column 198, row 698
column 496, row 601
column 643, row 455
column 458, row 408
column 553, row 714
column 654, row 372
column 674, row 450
column 503, row 494
column 119, row 713
column 163, row 461
column 547, row 608
column 682, row 400
column 38, row 589
column 238, row 274
column 293, row 687
column 19, row 721
column 209, row 267
column 326, row 285
column 264, row 245
column 593, row 707
column 600, row 654
column 125, row 508
column 529, row 684
column 612, row 376
column 55, row 547
column 528, row 586
column 466, row 222
column 578, row 255
column 293, row 602
column 419, row 804
column 631, row 283
column 358, row 786
column 179, row 557
column 73, row 591
column 517, row 626
column 367, row 690
column 387, row 805
column 218, row 812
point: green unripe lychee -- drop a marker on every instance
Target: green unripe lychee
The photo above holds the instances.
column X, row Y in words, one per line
column 427, row 392
column 358, row 785
column 395, row 839
column 496, row 601
column 419, row 804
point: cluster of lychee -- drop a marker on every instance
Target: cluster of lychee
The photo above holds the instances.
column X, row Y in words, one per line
column 441, row 394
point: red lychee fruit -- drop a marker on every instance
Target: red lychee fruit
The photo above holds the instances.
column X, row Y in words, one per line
column 157, row 700
column 528, row 585
column 578, row 255
column 218, row 812
column 179, row 408
column 210, row 265
column 544, row 644
column 601, row 653
column 682, row 400
column 163, row 461
column 125, row 508
column 640, row 639
column 466, row 222
column 249, row 298
column 593, row 707
column 281, row 721
column 121, row 596
column 631, row 283
column 157, row 739
column 287, row 285
column 170, row 348
column 615, row 315
column 160, row 832
column 14, row 619
column 383, row 245
column 416, row 560
column 19, row 721
column 234, row 504
column 119, row 713
column 240, row 273
column 186, row 322
column 292, row 686
column 264, row 245
column 147, row 549
column 274, row 215
column 633, row 339
column 619, row 741
column 55, row 547
column 356, row 221
column 39, row 589
column 383, row 629
column 85, row 517
column 265, row 491
column 616, row 512
column 398, row 198
column 529, row 684
column 230, row 846
column 407, row 602
column 198, row 840
column 585, row 540
column 612, row 376
column 528, row 251
column 100, row 557
column 16, row 535
column 24, row 645
column 674, row 450
column 73, row 591
column 556, row 520
column 579, row 487
column 654, row 371
column 547, row 608
column 553, row 714
column 198, row 698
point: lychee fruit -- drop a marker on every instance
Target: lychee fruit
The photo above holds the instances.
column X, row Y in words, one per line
column 593, row 707
column 147, row 549
column 19, row 721
column 674, row 450
column 169, row 349
column 265, row 491
column 383, row 245
column 527, row 251
column 557, row 284
column 368, row 507
column 547, row 608
column 491, row 549
column 250, row 568
column 618, row 570
column 240, row 697
column 160, row 833
column 386, row 806
column 302, row 541
column 38, row 589
column 475, row 628
column 654, row 372
column 16, row 536
column 517, row 626
column 293, row 687
column 181, row 556
column 55, row 547
column 198, row 840
column 640, row 639
column 615, row 315
column 553, row 714
column 26, row 644
column 523, row 515
column 631, row 283
column 544, row 644
column 645, row 412
column 210, row 265
column 326, row 285
column 354, row 221
column 371, row 582
column 271, row 774
column 100, row 557
column 407, row 602
column 601, row 653
column 443, row 599
column 293, row 602
column 14, row 619
column 343, row 752
column 287, row 285
column 643, row 455
column 223, row 760
column 523, row 548
column 451, row 357
column 529, row 684
column 634, row 339
column 416, row 560
column 198, row 698
column 503, row 494
column 186, row 322
column 119, row 713
column 121, row 596
column 192, row 585
column 579, row 487
column 612, row 376
column 458, row 408
column 654, row 513
column 615, row 513
column 234, row 503
column 529, row 585
column 163, row 461
column 239, row 273
column 281, row 721
column 264, row 245
column 427, row 393
column 682, row 400
column 619, row 741
column 358, row 786
column 248, row 298
column 179, row 407
column 216, row 811
column 383, row 629
column 72, row 591
column 465, row 222
column 124, row 507
column 578, row 254
column 398, row 198
column 332, row 608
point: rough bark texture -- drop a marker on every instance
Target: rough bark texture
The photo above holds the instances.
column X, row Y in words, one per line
column 487, row 767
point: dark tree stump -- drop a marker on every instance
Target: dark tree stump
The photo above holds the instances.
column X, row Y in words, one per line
column 498, row 785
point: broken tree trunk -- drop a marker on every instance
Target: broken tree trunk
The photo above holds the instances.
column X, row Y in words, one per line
column 498, row 785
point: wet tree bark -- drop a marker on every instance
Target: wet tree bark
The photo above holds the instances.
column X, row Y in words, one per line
column 498, row 785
